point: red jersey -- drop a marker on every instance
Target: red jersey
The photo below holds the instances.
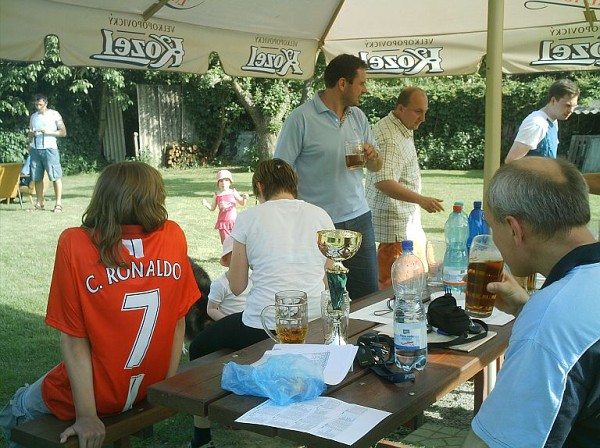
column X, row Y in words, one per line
column 129, row 314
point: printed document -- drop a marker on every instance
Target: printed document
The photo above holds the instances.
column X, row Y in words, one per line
column 325, row 417
column 335, row 360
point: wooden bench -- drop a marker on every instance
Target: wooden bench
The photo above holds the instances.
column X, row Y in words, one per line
column 44, row 431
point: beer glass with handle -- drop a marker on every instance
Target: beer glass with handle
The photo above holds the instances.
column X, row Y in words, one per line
column 291, row 317
column 485, row 266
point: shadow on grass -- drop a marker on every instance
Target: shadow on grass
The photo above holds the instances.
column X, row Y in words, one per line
column 472, row 174
column 185, row 187
column 28, row 349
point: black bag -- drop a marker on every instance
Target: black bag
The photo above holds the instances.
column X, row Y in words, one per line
column 377, row 352
column 446, row 317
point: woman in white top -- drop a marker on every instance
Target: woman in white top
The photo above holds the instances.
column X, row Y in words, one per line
column 277, row 239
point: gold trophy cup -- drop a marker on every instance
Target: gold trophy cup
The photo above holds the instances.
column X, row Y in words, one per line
column 337, row 245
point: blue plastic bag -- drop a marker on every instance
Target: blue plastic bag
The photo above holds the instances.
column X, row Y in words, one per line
column 284, row 379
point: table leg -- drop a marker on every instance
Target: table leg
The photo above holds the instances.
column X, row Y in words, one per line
column 485, row 381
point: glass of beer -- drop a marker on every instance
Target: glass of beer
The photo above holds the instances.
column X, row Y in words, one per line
column 434, row 253
column 485, row 266
column 291, row 317
column 528, row 283
column 355, row 154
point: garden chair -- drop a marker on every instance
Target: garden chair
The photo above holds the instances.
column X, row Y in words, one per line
column 9, row 181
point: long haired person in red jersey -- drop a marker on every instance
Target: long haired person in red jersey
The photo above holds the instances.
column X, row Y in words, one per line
column 121, row 287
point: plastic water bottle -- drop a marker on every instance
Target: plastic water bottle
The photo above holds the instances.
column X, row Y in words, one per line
column 477, row 224
column 410, row 320
column 456, row 259
column 463, row 213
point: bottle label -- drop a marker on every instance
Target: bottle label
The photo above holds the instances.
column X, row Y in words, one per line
column 454, row 276
column 410, row 335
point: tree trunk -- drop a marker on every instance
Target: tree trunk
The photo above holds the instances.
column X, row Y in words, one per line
column 214, row 149
column 266, row 143
column 264, row 123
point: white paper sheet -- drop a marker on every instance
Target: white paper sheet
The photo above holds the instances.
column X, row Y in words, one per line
column 369, row 313
column 336, row 360
column 325, row 417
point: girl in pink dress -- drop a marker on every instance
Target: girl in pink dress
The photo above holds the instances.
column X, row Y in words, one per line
column 227, row 200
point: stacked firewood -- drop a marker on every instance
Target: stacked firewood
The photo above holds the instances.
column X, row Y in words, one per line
column 184, row 155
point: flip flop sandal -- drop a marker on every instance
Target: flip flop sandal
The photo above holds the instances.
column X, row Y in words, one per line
column 57, row 208
column 36, row 208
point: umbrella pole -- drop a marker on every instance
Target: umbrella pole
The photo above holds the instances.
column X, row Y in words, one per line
column 493, row 90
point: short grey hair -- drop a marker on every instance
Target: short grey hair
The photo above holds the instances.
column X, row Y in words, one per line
column 547, row 203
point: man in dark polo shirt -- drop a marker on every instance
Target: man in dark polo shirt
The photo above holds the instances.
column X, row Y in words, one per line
column 548, row 390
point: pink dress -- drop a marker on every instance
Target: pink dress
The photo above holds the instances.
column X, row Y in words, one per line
column 226, row 202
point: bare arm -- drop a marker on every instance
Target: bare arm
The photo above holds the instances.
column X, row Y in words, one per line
column 30, row 131
column 517, row 151
column 395, row 190
column 208, row 205
column 62, row 130
column 241, row 199
column 238, row 268
column 78, row 361
column 212, row 309
column 176, row 347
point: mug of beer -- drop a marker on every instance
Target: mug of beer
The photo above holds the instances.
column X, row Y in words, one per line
column 291, row 317
column 485, row 266
column 355, row 154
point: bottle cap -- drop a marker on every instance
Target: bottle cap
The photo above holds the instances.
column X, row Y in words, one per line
column 457, row 208
column 407, row 245
column 477, row 204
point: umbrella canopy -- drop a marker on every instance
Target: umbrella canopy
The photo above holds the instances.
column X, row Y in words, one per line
column 280, row 38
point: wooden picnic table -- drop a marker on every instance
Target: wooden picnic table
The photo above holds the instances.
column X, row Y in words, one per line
column 197, row 388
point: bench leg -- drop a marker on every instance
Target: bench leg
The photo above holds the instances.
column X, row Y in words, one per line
column 122, row 443
column 145, row 433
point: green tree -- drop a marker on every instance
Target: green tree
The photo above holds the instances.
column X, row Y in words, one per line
column 76, row 92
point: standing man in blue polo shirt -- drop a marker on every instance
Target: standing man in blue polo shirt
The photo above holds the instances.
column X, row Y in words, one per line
column 313, row 142
column 538, row 133
column 45, row 126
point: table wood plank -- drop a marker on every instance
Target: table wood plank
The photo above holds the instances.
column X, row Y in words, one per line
column 197, row 389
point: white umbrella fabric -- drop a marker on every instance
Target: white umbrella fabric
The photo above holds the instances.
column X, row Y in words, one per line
column 281, row 38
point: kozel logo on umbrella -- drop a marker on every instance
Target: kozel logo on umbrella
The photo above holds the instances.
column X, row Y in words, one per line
column 158, row 51
column 582, row 53
column 273, row 63
column 411, row 61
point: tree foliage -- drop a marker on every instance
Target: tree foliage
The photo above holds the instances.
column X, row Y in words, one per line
column 452, row 137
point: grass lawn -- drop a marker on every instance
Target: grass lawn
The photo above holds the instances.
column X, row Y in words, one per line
column 28, row 241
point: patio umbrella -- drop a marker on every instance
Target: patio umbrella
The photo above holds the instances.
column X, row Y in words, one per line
column 281, row 38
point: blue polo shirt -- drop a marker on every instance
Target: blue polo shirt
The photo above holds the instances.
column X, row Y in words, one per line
column 312, row 141
column 548, row 390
